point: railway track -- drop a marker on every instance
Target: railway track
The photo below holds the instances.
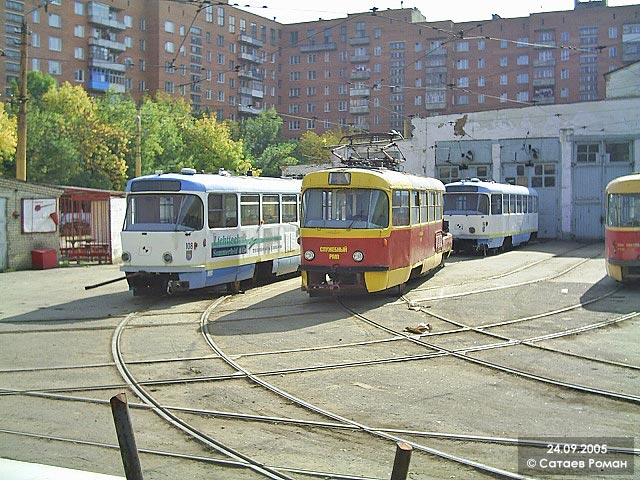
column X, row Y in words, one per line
column 202, row 374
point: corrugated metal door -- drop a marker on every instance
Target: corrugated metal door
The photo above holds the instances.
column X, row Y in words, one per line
column 4, row 245
column 589, row 182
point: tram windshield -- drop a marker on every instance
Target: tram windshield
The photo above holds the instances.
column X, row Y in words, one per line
column 164, row 213
column 466, row 204
column 345, row 208
column 623, row 210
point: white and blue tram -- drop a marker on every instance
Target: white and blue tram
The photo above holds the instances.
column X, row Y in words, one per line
column 487, row 216
column 190, row 230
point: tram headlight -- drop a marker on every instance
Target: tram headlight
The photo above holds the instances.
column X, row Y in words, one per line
column 309, row 255
column 472, row 230
column 358, row 256
column 167, row 257
column 126, row 257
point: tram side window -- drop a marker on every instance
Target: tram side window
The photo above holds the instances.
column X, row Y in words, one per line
column 415, row 207
column 432, row 206
column 249, row 209
column 624, row 210
column 270, row 208
column 424, row 207
column 222, row 210
column 439, row 204
column 519, row 204
column 289, row 208
column 496, row 204
column 400, row 207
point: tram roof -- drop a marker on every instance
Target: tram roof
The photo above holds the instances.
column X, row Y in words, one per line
column 491, row 187
column 373, row 177
column 625, row 184
column 205, row 182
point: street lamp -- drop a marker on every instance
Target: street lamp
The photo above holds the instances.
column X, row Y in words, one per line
column 21, row 149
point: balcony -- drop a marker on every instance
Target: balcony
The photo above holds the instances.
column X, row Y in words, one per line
column 360, row 58
column 544, row 82
column 250, row 41
column 250, row 57
column 250, row 75
column 108, row 44
column 360, row 92
column 359, row 41
column 360, row 75
column 544, row 63
column 248, row 110
column 362, row 110
column 252, row 92
column 107, row 65
column 545, row 44
column 320, row 47
column 107, row 22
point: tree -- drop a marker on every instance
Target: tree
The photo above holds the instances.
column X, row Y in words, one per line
column 8, row 136
column 314, row 148
column 68, row 144
column 275, row 157
column 208, row 147
column 260, row 132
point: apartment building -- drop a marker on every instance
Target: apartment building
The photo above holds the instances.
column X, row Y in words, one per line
column 371, row 71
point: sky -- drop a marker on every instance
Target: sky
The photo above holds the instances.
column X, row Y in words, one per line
column 294, row 11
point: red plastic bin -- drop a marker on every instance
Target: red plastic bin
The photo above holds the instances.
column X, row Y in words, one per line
column 44, row 258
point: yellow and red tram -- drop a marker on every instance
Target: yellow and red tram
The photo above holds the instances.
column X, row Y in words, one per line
column 369, row 230
column 622, row 228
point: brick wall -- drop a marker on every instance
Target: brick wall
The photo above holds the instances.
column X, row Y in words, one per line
column 21, row 244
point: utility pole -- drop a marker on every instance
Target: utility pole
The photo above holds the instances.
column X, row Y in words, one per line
column 21, row 150
column 138, row 139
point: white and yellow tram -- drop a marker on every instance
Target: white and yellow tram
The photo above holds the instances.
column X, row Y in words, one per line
column 487, row 216
column 189, row 230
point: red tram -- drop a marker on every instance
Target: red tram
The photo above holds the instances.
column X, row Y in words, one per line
column 368, row 228
column 622, row 228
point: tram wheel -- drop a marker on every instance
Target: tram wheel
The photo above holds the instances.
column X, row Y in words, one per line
column 233, row 288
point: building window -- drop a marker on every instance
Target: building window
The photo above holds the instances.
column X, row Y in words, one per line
column 78, row 31
column 504, row 61
column 78, row 53
column 169, row 47
column 220, row 17
column 462, row 64
column 523, row 60
column 587, row 152
column 78, row 8
column 523, row 96
column 168, row 87
column 78, row 75
column 55, row 67
column 481, row 81
column 55, row 20
column 522, row 78
column 169, row 27
column 544, row 175
column 208, row 14
column 55, row 44
column 481, row 45
column 143, row 45
column 618, row 152
column 481, row 63
column 564, row 55
column 613, row 32
column 463, row 82
column 564, row 93
column 462, row 46
column 481, row 98
column 504, row 79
